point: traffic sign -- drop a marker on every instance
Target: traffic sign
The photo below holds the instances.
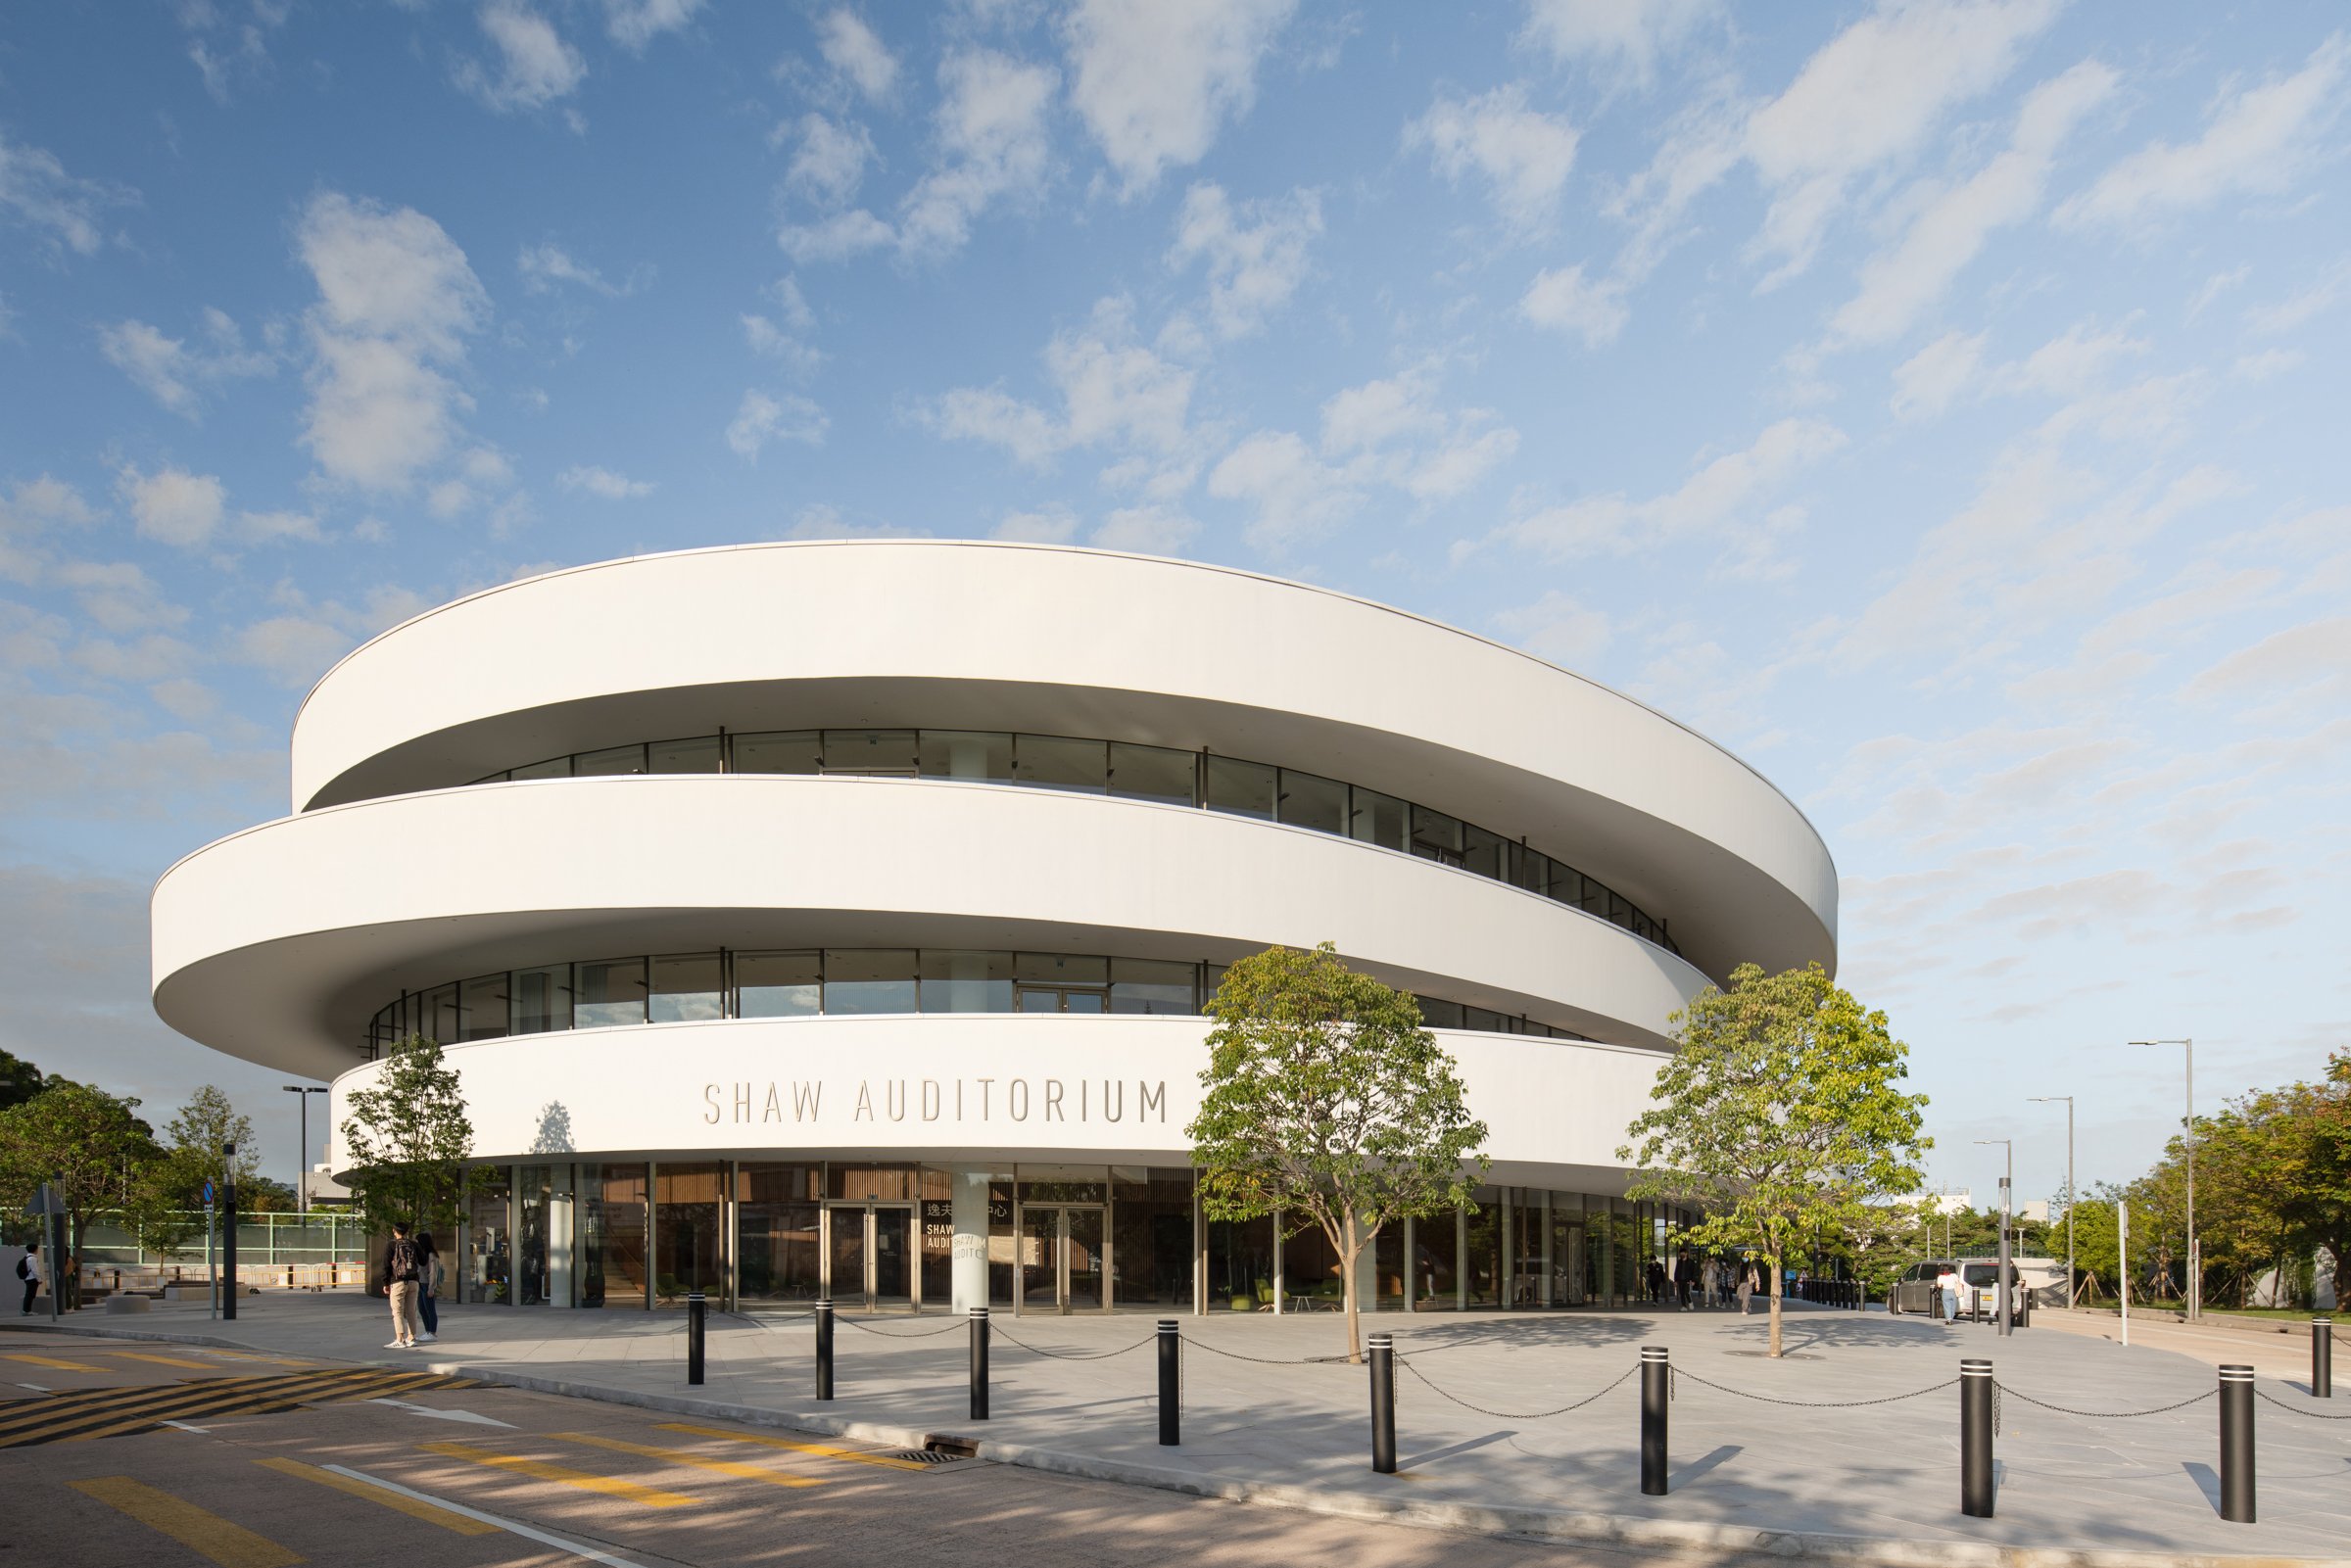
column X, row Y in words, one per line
column 207, row 1192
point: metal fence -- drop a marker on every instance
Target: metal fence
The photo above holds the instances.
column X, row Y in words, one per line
column 271, row 1240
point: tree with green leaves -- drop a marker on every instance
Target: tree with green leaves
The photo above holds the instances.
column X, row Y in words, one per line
column 1781, row 1116
column 99, row 1153
column 407, row 1139
column 1328, row 1103
column 195, row 1138
column 19, row 1080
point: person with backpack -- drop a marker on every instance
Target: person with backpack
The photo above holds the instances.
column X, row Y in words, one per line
column 428, row 1288
column 28, row 1269
column 404, row 1269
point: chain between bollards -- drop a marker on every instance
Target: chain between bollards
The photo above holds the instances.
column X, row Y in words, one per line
column 979, row 1363
column 1171, row 1374
column 2237, row 1445
column 1657, row 1394
column 2321, row 1358
column 1975, row 1488
column 824, row 1348
column 698, row 1309
column 1383, row 1403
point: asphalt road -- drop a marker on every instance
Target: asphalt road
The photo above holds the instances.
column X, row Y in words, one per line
column 275, row 1461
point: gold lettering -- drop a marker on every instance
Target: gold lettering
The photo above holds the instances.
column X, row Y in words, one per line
column 984, row 1114
column 805, row 1100
column 930, row 1099
column 710, row 1094
column 742, row 1102
column 865, row 1102
column 775, row 1105
column 1053, row 1101
column 1016, row 1098
column 1113, row 1112
column 1148, row 1096
column 894, row 1097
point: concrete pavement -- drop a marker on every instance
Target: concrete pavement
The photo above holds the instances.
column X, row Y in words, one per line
column 1867, row 1482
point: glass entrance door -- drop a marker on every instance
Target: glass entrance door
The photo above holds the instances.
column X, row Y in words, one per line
column 1062, row 1267
column 869, row 1257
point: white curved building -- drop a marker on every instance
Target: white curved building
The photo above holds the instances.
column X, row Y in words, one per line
column 836, row 916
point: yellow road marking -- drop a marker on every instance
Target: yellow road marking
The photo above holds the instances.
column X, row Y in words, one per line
column 389, row 1500
column 230, row 1545
column 246, row 1355
column 164, row 1360
column 823, row 1451
column 51, row 1360
column 745, row 1472
column 613, row 1486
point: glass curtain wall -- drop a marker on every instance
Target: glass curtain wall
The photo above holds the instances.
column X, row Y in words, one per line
column 489, row 1240
column 776, row 1231
column 688, row 1238
column 1151, row 1236
column 612, row 1217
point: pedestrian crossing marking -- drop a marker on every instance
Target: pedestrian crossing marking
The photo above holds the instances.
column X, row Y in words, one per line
column 52, row 1361
column 410, row 1506
column 230, row 1545
column 540, row 1470
column 741, row 1472
column 74, row 1415
column 823, row 1451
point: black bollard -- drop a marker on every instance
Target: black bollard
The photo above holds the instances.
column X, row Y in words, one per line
column 228, row 1238
column 2321, row 1358
column 1975, row 1438
column 1657, row 1390
column 1170, row 1400
column 2237, row 1445
column 1383, row 1403
column 824, row 1349
column 979, row 1363
column 696, row 1310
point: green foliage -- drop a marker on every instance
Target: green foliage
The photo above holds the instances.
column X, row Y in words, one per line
column 94, row 1146
column 194, row 1138
column 1327, row 1101
column 19, row 1080
column 1781, row 1116
column 407, row 1139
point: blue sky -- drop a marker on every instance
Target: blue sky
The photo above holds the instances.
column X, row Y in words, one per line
column 1938, row 404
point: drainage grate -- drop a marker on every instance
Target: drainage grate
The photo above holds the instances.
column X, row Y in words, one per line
column 925, row 1456
column 940, row 1449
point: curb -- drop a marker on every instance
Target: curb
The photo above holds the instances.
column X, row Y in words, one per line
column 1552, row 1525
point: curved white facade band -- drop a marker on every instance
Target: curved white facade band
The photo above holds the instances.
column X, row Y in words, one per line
column 839, row 917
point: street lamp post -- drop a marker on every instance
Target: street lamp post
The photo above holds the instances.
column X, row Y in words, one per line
column 2195, row 1255
column 2007, row 1184
column 2070, row 1196
column 302, row 1172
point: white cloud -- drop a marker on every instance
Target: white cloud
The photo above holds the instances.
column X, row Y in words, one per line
column 547, row 264
column 1152, row 530
column 1558, row 628
column 850, row 47
column 2310, row 662
column 2258, row 140
column 1718, row 497
column 599, row 481
column 2266, row 364
column 1901, row 282
column 1050, row 525
column 762, row 419
column 2296, row 311
column 1297, row 497
column 829, row 163
column 36, row 190
column 634, row 23
column 991, row 131
column 397, row 302
column 1930, row 381
column 1256, row 259
column 767, row 339
column 1111, row 387
column 1523, row 154
column 1872, row 95
column 836, row 238
column 1393, row 431
column 1563, row 300
column 1628, row 34
column 267, row 528
column 173, row 507
column 169, row 370
column 1155, row 82
column 535, row 65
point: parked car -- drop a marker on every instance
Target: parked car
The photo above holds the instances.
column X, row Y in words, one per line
column 1920, row 1287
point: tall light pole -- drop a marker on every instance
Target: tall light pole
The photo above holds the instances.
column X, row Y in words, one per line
column 302, row 1172
column 2050, row 1099
column 2008, row 1183
column 2196, row 1257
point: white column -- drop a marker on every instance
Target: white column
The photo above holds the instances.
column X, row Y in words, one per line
column 968, row 1195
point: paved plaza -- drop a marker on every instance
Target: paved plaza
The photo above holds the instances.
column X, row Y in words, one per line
column 1266, row 1421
